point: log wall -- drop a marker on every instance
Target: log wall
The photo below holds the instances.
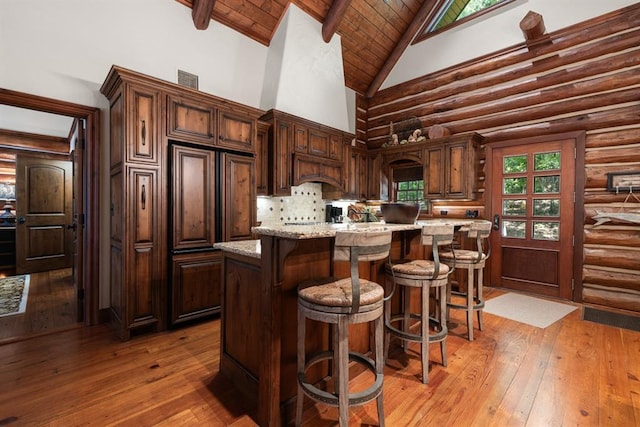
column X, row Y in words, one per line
column 582, row 78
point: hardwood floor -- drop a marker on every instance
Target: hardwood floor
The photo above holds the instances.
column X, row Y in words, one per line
column 572, row 373
column 50, row 307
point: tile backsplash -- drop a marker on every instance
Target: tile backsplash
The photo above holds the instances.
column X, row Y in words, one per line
column 304, row 205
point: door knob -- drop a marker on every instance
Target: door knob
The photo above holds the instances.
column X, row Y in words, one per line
column 21, row 220
column 496, row 222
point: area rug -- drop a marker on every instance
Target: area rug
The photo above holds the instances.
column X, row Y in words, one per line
column 13, row 295
column 619, row 320
column 525, row 309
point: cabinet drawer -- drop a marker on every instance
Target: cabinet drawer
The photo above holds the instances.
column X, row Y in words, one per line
column 191, row 121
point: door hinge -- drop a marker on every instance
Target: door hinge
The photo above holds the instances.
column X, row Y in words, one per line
column 81, row 219
column 80, row 294
column 573, row 288
column 573, row 241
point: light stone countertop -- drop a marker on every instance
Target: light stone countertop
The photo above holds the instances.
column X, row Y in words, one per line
column 251, row 248
column 327, row 229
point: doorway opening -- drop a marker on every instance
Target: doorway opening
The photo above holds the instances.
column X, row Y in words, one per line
column 82, row 277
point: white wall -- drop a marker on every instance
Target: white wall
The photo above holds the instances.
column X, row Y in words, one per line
column 304, row 75
column 495, row 31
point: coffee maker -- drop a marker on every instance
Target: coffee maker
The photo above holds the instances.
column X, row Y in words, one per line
column 333, row 213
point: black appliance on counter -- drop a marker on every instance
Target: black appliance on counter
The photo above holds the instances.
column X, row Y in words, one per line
column 333, row 213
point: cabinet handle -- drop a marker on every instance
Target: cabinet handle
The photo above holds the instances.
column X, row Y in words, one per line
column 144, row 133
column 143, row 197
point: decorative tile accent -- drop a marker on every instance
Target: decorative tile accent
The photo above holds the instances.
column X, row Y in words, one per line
column 304, row 205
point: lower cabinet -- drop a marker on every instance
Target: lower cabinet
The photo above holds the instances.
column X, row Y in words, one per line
column 195, row 285
column 240, row 354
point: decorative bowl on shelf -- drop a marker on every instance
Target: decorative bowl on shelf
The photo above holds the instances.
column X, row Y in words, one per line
column 400, row 213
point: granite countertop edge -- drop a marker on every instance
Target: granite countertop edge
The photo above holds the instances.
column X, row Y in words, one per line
column 321, row 230
column 251, row 248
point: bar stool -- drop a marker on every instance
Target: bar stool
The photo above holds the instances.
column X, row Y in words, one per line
column 473, row 261
column 426, row 275
column 341, row 302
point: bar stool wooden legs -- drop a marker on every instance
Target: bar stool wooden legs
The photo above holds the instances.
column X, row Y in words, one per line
column 473, row 261
column 427, row 275
column 341, row 302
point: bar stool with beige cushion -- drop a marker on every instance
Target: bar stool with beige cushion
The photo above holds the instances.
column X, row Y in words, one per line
column 473, row 261
column 427, row 275
column 341, row 302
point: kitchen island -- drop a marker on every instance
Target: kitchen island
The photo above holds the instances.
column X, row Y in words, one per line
column 259, row 305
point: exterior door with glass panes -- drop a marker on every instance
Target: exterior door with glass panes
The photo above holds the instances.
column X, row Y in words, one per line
column 532, row 209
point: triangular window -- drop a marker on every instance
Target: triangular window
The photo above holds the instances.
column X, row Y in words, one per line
column 453, row 12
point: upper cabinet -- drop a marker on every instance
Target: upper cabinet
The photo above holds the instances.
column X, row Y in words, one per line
column 236, row 131
column 191, row 120
column 303, row 151
column 449, row 165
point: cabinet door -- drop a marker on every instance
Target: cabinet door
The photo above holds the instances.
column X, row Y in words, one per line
column 142, row 263
column 375, row 181
column 262, row 159
column 236, row 132
column 336, row 147
column 281, row 158
column 319, row 143
column 434, row 173
column 143, row 125
column 457, row 170
column 190, row 120
column 195, row 285
column 239, row 198
column 300, row 138
column 192, row 197
column 356, row 174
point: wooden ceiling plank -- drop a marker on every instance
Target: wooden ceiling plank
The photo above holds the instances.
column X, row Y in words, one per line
column 400, row 47
column 333, row 19
column 201, row 13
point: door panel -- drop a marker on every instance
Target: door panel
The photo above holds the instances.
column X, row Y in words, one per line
column 532, row 202
column 44, row 191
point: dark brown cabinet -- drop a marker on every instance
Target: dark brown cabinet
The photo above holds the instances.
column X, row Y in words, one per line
column 195, row 285
column 356, row 187
column 239, row 195
column 189, row 119
column 136, row 216
column 450, row 169
column 168, row 146
column 262, row 159
column 193, row 197
column 303, row 151
column 449, row 166
column 236, row 132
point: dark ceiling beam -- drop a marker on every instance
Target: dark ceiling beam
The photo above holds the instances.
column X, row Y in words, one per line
column 201, row 13
column 333, row 19
column 425, row 12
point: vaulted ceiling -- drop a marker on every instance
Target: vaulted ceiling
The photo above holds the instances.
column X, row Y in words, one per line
column 374, row 33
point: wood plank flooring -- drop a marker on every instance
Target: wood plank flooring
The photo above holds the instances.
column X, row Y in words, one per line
column 571, row 373
column 50, row 307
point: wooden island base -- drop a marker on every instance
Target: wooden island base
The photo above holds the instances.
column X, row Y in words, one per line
column 259, row 311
